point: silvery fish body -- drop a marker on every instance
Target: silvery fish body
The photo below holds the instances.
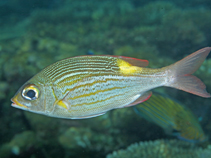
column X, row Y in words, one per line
column 88, row 86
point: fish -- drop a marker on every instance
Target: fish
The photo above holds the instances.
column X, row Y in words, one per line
column 90, row 52
column 89, row 86
column 175, row 118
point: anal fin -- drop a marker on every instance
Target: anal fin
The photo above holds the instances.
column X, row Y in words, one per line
column 141, row 99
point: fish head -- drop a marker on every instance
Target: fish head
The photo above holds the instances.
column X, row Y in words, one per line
column 30, row 97
column 191, row 131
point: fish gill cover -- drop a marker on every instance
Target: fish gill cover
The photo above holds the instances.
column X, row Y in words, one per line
column 34, row 34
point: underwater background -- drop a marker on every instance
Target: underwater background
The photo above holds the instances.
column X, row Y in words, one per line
column 37, row 33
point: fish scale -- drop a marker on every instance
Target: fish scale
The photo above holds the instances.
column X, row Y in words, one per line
column 84, row 97
column 75, row 64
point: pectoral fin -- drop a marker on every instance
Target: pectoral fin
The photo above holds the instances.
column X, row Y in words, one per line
column 62, row 104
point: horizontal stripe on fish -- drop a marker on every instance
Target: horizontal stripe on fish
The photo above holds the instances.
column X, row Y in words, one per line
column 91, row 85
column 77, row 61
column 92, row 100
column 160, row 108
column 102, row 81
column 105, row 103
column 68, row 85
column 95, row 71
column 72, row 64
column 97, row 93
column 94, row 96
column 88, row 69
column 95, row 108
column 59, row 72
column 150, row 111
column 156, row 116
column 102, row 105
column 164, row 108
column 71, row 78
column 69, row 74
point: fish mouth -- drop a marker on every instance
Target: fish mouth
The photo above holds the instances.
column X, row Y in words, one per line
column 16, row 104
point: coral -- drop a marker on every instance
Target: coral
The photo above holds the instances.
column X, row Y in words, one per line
column 162, row 149
column 19, row 144
column 84, row 138
column 77, row 139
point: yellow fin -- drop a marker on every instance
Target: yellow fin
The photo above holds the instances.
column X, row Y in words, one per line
column 134, row 61
column 62, row 104
column 127, row 68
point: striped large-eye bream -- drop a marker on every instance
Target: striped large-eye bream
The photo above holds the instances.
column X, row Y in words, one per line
column 89, row 86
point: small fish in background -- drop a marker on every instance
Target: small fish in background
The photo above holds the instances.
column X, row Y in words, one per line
column 90, row 52
column 89, row 86
column 173, row 117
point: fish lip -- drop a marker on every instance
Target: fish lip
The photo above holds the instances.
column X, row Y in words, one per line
column 13, row 102
column 17, row 105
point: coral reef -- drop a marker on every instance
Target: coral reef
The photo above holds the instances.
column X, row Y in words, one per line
column 162, row 149
column 19, row 144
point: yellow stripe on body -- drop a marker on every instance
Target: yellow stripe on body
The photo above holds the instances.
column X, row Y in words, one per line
column 94, row 93
column 85, row 98
column 87, row 84
column 63, row 72
column 80, row 74
column 77, row 85
column 159, row 103
column 78, row 62
column 97, row 101
column 157, row 115
column 92, row 109
column 157, row 107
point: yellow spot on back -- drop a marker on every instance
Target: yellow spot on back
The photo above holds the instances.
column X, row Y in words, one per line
column 126, row 68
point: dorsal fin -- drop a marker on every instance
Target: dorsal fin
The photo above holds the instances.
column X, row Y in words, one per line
column 134, row 61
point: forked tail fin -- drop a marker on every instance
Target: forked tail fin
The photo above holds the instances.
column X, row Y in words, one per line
column 180, row 73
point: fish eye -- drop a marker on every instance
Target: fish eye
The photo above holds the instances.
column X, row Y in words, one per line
column 30, row 92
